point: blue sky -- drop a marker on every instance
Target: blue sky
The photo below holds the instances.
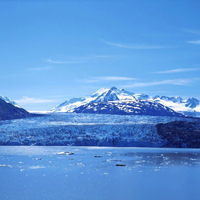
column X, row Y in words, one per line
column 52, row 51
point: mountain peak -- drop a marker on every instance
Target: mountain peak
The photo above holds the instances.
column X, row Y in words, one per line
column 109, row 95
column 192, row 102
column 113, row 88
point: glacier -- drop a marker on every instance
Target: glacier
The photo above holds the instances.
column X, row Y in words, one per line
column 72, row 129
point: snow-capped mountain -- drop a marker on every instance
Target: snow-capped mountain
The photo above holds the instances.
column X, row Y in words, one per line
column 189, row 106
column 115, row 101
column 102, row 95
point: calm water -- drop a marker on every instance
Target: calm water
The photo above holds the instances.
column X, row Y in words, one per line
column 91, row 173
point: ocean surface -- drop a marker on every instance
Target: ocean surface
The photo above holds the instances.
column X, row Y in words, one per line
column 97, row 173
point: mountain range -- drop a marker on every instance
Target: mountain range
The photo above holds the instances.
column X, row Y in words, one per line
column 120, row 101
column 113, row 101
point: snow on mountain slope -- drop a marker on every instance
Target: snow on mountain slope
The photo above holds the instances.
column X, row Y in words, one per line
column 109, row 95
column 102, row 95
column 178, row 104
column 99, row 92
column 124, row 95
column 69, row 105
column 115, row 94
column 190, row 105
column 8, row 100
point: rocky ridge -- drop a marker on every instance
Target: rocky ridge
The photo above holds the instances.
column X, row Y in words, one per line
column 9, row 111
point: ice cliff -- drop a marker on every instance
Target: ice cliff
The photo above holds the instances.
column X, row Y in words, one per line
column 88, row 130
